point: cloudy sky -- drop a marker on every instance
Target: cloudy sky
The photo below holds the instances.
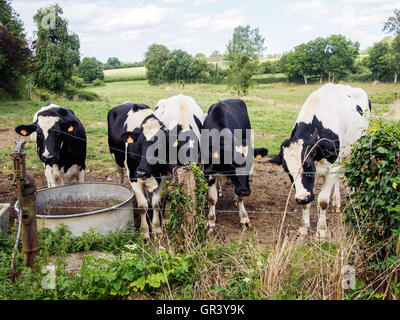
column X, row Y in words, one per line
column 125, row 28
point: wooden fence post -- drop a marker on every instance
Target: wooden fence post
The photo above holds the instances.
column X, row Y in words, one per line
column 185, row 179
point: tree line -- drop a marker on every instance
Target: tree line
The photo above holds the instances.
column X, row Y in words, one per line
column 52, row 61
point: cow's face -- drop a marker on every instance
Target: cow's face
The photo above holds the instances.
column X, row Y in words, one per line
column 147, row 146
column 296, row 157
column 236, row 164
column 50, row 134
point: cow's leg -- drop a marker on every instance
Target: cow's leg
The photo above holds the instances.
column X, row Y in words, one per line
column 219, row 188
column 336, row 196
column 120, row 170
column 244, row 218
column 50, row 177
column 305, row 220
column 142, row 206
column 81, row 175
column 212, row 201
column 120, row 173
column 155, row 202
column 323, row 203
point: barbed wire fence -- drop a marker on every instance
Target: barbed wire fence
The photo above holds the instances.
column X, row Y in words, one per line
column 226, row 174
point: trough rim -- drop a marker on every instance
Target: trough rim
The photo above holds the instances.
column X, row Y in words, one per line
column 84, row 213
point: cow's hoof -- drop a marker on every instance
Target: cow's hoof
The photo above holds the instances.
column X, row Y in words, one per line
column 146, row 236
column 246, row 225
column 157, row 231
column 303, row 231
column 321, row 235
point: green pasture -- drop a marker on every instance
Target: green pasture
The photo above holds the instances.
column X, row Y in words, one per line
column 272, row 108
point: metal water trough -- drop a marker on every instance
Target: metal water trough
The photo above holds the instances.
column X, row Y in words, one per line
column 59, row 201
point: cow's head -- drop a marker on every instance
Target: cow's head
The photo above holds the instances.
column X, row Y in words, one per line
column 147, row 146
column 297, row 158
column 51, row 130
column 233, row 158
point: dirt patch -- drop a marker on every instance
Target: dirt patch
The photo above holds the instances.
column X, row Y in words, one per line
column 270, row 187
column 8, row 138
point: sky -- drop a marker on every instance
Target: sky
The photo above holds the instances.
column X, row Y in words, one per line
column 126, row 28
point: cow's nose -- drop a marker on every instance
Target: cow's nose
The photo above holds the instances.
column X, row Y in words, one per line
column 244, row 193
column 304, row 199
column 140, row 174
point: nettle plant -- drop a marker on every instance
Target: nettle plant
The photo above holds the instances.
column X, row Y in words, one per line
column 373, row 174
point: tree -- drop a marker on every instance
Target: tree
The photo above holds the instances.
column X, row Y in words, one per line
column 393, row 26
column 341, row 55
column 199, row 70
column 177, row 66
column 90, row 69
column 318, row 56
column 393, row 23
column 242, row 55
column 156, row 58
column 113, row 62
column 395, row 54
column 56, row 49
column 15, row 55
column 379, row 60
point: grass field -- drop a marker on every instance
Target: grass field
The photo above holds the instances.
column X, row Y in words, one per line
column 239, row 270
column 124, row 73
column 272, row 108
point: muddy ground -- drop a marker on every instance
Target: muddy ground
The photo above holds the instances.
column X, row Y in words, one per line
column 265, row 206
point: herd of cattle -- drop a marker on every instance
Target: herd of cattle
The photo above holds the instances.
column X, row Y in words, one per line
column 147, row 144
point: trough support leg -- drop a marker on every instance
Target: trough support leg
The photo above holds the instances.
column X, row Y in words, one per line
column 26, row 193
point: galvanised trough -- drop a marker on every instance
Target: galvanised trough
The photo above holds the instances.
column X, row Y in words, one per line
column 101, row 207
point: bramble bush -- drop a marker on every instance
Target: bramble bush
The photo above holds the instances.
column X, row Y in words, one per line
column 373, row 175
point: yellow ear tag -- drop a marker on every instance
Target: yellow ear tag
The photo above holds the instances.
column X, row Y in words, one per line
column 24, row 133
column 175, row 143
column 129, row 140
column 216, row 155
column 71, row 128
column 258, row 156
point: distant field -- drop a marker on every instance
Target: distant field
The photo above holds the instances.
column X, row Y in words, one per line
column 125, row 73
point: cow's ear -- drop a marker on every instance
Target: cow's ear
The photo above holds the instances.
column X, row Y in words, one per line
column 25, row 130
column 314, row 137
column 128, row 137
column 71, row 126
column 260, row 152
column 276, row 160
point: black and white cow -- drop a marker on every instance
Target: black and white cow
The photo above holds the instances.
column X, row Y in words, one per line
column 133, row 130
column 228, row 153
column 61, row 143
column 184, row 120
column 330, row 121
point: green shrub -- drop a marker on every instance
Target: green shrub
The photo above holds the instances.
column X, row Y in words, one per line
column 88, row 95
column 77, row 82
column 71, row 93
column 98, row 82
column 269, row 78
column 373, row 175
column 361, row 77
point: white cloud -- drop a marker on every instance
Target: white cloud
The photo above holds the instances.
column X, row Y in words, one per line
column 316, row 9
column 201, row 2
column 224, row 21
column 305, row 28
column 172, row 1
